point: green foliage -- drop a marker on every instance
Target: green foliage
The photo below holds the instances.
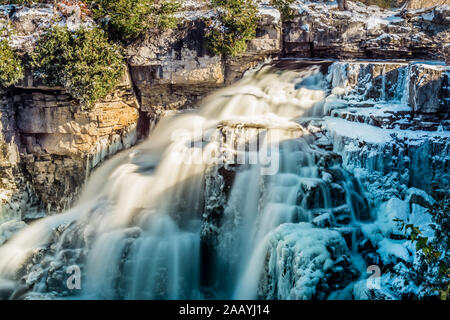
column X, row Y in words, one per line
column 163, row 14
column 83, row 62
column 127, row 20
column 422, row 243
column 237, row 24
column 434, row 266
column 284, row 6
column 11, row 69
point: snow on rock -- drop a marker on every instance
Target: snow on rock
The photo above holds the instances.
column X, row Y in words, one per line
column 420, row 197
column 389, row 286
column 384, row 216
column 391, row 251
column 395, row 141
column 26, row 23
column 298, row 257
column 269, row 13
column 357, row 131
column 387, row 32
column 421, row 217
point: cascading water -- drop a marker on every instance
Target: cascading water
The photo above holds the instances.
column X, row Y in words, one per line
column 158, row 222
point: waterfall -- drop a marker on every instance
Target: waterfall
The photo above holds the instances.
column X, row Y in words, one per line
column 188, row 214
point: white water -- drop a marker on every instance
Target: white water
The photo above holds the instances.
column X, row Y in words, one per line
column 137, row 229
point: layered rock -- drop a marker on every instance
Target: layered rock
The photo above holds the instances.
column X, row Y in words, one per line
column 420, row 92
column 15, row 195
column 366, row 32
column 54, row 142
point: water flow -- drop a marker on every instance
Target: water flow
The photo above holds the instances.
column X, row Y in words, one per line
column 138, row 228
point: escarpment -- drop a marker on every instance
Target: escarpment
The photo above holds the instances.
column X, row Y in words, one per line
column 50, row 144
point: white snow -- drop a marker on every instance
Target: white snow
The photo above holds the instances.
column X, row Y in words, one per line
column 274, row 14
column 376, row 135
column 421, row 218
column 390, row 251
column 41, row 17
column 357, row 131
column 298, row 259
column 361, row 290
column 390, row 210
column 375, row 21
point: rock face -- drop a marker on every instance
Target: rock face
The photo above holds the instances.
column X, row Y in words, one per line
column 429, row 92
column 53, row 143
column 366, row 32
column 423, row 86
column 14, row 195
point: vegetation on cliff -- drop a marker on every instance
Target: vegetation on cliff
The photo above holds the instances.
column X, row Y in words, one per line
column 11, row 69
column 236, row 24
column 83, row 61
column 432, row 269
column 127, row 20
column 284, row 6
